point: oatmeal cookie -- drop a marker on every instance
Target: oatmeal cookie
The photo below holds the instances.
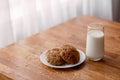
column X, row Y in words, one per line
column 53, row 57
column 69, row 54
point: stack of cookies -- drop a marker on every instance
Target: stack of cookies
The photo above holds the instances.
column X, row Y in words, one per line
column 65, row 54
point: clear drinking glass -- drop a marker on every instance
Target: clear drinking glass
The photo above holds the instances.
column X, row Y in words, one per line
column 95, row 41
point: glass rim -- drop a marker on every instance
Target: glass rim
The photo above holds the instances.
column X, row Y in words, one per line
column 96, row 25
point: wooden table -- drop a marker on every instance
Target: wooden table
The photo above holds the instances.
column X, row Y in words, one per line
column 20, row 61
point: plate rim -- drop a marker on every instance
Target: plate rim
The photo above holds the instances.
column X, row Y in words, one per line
column 62, row 66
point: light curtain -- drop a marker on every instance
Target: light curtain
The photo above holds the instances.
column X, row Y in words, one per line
column 22, row 18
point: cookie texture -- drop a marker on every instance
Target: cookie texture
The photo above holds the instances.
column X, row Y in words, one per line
column 69, row 54
column 53, row 57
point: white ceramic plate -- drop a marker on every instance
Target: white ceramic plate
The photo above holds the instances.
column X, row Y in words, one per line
column 44, row 61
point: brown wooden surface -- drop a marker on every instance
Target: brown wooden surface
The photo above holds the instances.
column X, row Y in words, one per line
column 3, row 77
column 20, row 61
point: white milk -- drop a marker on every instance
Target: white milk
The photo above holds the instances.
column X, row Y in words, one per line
column 95, row 45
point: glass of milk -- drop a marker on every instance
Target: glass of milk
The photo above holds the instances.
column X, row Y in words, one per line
column 95, row 41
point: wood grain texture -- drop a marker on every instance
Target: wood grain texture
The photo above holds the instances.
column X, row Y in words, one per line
column 20, row 61
column 3, row 77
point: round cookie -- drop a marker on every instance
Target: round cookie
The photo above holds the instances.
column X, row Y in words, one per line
column 53, row 57
column 69, row 54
